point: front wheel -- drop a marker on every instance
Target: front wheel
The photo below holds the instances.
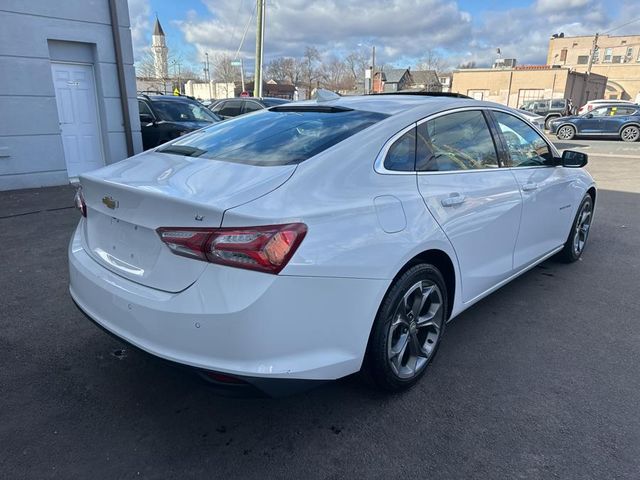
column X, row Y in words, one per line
column 575, row 244
column 566, row 132
column 407, row 330
column 547, row 122
column 630, row 133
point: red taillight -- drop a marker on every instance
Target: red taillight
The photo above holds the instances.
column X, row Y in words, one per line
column 79, row 201
column 266, row 249
column 589, row 108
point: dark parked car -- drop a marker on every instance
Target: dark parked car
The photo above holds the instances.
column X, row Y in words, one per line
column 232, row 107
column 549, row 109
column 622, row 121
column 165, row 117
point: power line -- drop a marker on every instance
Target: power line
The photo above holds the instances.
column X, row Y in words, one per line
column 623, row 25
column 246, row 29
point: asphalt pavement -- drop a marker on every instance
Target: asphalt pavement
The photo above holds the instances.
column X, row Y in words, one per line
column 540, row 380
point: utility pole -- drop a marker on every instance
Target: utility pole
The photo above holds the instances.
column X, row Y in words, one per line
column 257, row 77
column 593, row 52
column 373, row 67
column 208, row 76
column 242, row 73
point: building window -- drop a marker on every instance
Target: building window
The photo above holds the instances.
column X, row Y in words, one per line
column 638, row 59
column 563, row 55
column 583, row 59
column 608, row 54
column 596, row 55
column 629, row 54
column 617, row 59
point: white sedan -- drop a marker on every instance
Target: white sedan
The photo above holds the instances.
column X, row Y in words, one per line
column 310, row 241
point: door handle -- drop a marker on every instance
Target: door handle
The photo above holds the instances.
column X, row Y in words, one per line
column 529, row 187
column 453, row 200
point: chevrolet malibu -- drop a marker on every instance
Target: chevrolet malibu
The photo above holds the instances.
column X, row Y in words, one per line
column 309, row 241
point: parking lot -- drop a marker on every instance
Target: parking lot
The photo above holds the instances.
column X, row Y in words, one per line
column 540, row 380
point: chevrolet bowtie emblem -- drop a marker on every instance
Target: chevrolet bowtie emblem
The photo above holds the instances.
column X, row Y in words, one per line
column 110, row 202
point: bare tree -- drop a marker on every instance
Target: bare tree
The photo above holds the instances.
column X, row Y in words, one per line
column 145, row 67
column 310, row 60
column 223, row 70
column 433, row 61
column 465, row 65
column 357, row 62
column 335, row 74
column 285, row 68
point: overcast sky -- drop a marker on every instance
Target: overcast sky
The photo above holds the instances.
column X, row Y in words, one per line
column 402, row 30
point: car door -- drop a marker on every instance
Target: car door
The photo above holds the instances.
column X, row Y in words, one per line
column 616, row 117
column 547, row 195
column 477, row 203
column 591, row 123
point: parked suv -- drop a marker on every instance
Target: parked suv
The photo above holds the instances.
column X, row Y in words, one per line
column 549, row 109
column 165, row 117
column 616, row 120
column 232, row 107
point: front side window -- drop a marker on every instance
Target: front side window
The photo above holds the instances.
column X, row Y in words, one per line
column 401, row 156
column 525, row 146
column 600, row 112
column 457, row 141
column 144, row 108
column 269, row 138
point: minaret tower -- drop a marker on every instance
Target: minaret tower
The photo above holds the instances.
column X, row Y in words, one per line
column 160, row 52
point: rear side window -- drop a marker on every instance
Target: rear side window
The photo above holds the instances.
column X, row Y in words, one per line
column 557, row 104
column 401, row 156
column 251, row 106
column 457, row 141
column 230, row 109
column 275, row 137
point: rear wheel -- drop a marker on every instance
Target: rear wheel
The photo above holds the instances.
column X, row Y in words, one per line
column 575, row 244
column 566, row 132
column 547, row 122
column 408, row 328
column 630, row 133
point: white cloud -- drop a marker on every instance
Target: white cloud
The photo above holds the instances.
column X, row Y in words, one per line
column 404, row 28
column 139, row 15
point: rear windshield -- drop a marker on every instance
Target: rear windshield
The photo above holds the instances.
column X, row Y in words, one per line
column 274, row 137
column 178, row 111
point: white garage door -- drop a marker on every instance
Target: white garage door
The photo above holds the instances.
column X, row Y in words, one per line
column 78, row 115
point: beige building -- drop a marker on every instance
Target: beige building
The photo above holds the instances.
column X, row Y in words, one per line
column 615, row 57
column 514, row 86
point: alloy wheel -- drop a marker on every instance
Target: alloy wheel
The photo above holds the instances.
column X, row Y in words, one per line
column 630, row 134
column 415, row 329
column 582, row 228
column 566, row 133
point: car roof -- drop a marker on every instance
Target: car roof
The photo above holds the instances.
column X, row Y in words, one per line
column 400, row 103
column 168, row 98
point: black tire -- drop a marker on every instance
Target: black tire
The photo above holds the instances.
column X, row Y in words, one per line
column 384, row 368
column 630, row 133
column 566, row 132
column 547, row 122
column 574, row 246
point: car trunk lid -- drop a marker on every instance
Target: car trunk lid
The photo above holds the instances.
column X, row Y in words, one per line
column 129, row 200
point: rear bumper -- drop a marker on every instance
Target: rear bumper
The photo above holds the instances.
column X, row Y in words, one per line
column 237, row 322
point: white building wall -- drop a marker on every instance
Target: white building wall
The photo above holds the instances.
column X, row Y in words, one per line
column 206, row 91
column 32, row 34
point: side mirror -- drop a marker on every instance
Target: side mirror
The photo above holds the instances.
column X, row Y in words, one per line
column 572, row 159
column 146, row 119
column 589, row 115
